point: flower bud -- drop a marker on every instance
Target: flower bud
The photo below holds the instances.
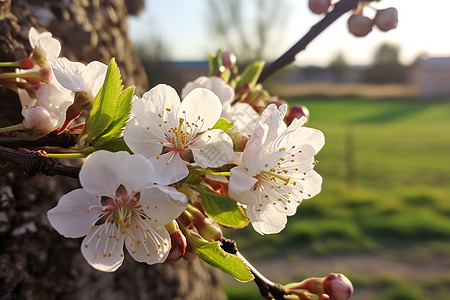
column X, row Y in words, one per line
column 359, row 25
column 39, row 119
column 83, row 100
column 38, row 57
column 319, row 6
column 337, row 286
column 312, row 285
column 25, row 63
column 239, row 139
column 296, row 112
column 228, row 59
column 189, row 255
column 178, row 242
column 205, row 226
column 277, row 101
column 386, row 19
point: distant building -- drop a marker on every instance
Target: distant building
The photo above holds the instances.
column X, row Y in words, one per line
column 432, row 76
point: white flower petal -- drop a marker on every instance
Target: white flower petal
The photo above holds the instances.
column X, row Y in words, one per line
column 137, row 172
column 297, row 135
column 69, row 74
column 103, row 247
column 162, row 204
column 201, row 107
column 162, row 100
column 152, row 246
column 240, row 181
column 312, row 184
column 75, row 213
column 99, row 173
column 94, row 76
column 252, row 152
column 142, row 140
column 244, row 117
column 169, row 168
column 46, row 43
column 214, row 84
column 267, row 220
column 213, row 148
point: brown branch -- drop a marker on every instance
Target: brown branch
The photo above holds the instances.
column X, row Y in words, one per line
column 14, row 140
column 34, row 163
column 288, row 57
column 267, row 288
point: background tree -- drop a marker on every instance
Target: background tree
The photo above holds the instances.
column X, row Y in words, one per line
column 247, row 38
column 35, row 261
column 386, row 66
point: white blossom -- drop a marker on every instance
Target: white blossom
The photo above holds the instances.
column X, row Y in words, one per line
column 242, row 114
column 118, row 204
column 276, row 173
column 166, row 130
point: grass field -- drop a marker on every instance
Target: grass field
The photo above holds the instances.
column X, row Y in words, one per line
column 385, row 202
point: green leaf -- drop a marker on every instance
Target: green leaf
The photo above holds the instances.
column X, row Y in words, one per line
column 215, row 63
column 122, row 115
column 223, row 210
column 105, row 103
column 223, row 124
column 213, row 254
column 114, row 145
column 251, row 74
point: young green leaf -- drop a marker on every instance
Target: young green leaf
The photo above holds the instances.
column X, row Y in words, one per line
column 223, row 124
column 121, row 117
column 105, row 103
column 213, row 254
column 223, row 210
column 251, row 74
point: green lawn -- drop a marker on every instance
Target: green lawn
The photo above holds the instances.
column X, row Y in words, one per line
column 386, row 171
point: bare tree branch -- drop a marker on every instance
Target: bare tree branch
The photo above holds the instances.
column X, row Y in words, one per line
column 288, row 57
column 34, row 163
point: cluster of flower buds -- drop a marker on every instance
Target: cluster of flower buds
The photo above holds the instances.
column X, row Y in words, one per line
column 319, row 6
column 360, row 25
column 332, row 287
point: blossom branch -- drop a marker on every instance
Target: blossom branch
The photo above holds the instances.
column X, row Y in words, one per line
column 288, row 57
column 14, row 140
column 34, row 163
column 267, row 288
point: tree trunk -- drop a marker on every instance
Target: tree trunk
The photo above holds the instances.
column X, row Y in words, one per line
column 35, row 261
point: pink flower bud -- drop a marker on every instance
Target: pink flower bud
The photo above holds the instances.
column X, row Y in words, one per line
column 25, row 63
column 312, row 285
column 359, row 25
column 178, row 246
column 386, row 19
column 337, row 286
column 189, row 255
column 296, row 112
column 319, row 6
column 228, row 59
column 45, row 74
column 39, row 119
column 277, row 101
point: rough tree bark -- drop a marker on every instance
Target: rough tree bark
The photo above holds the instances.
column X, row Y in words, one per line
column 35, row 261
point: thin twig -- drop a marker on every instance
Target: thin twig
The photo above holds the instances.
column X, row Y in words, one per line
column 34, row 163
column 288, row 57
column 267, row 288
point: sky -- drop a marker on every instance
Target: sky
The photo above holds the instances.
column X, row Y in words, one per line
column 183, row 26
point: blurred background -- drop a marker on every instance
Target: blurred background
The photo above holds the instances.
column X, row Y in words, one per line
column 382, row 102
